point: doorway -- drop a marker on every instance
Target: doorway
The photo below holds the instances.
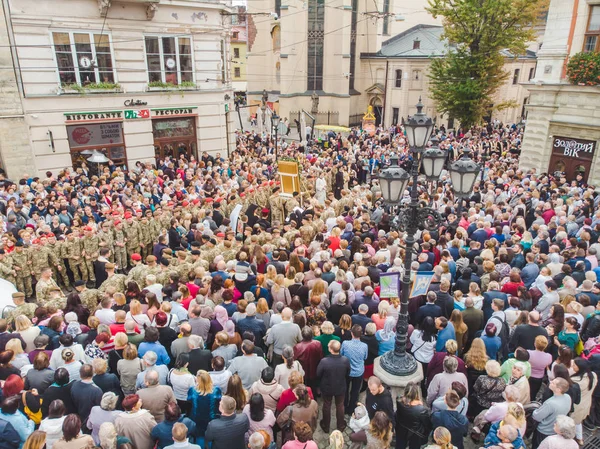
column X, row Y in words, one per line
column 570, row 167
column 175, row 137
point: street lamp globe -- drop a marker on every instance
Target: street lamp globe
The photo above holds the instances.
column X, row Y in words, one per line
column 418, row 128
column 432, row 160
column 463, row 174
column 276, row 120
column 393, row 180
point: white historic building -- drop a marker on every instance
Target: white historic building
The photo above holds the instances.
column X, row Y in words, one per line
column 134, row 79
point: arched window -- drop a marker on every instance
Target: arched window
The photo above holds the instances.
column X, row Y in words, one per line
column 278, row 72
column 398, row 78
column 276, row 38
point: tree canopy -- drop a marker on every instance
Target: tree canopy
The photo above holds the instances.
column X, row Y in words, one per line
column 464, row 82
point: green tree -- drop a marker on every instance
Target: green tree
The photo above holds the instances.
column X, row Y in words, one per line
column 464, row 82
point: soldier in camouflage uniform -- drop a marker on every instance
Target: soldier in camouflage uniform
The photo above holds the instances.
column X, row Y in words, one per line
column 145, row 237
column 291, row 204
column 107, row 239
column 91, row 247
column 307, row 232
column 197, row 261
column 42, row 257
column 163, row 276
column 43, row 286
column 183, row 268
column 74, row 250
column 276, row 203
column 89, row 297
column 7, row 270
column 152, row 266
column 120, row 244
column 229, row 252
column 113, row 280
column 138, row 272
column 209, row 251
column 22, row 308
column 132, row 232
column 21, row 261
column 56, row 299
column 59, row 250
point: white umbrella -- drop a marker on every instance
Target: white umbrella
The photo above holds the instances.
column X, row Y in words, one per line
column 98, row 158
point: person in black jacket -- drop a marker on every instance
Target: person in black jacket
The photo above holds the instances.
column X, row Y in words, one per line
column 85, row 394
column 228, row 431
column 379, row 399
column 200, row 358
column 61, row 389
column 174, row 237
column 413, row 423
column 333, row 371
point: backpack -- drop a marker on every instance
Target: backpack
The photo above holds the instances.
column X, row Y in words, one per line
column 36, row 417
column 504, row 334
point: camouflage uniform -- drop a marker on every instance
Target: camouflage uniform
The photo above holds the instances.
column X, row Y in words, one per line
column 307, row 233
column 89, row 299
column 132, row 232
column 22, row 260
column 290, row 205
column 107, row 240
column 7, row 271
column 116, row 280
column 120, row 249
column 42, row 257
column 145, row 238
column 138, row 274
column 163, row 277
column 59, row 302
column 74, row 248
column 91, row 246
column 59, row 251
column 42, row 290
column 27, row 309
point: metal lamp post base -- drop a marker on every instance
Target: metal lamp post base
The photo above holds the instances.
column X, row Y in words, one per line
column 398, row 364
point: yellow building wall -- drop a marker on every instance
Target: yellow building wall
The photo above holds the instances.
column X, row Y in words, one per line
column 240, row 62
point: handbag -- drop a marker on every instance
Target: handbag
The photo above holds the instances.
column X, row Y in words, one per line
column 287, row 432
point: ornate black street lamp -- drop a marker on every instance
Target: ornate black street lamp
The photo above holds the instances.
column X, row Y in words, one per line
column 275, row 120
column 393, row 181
column 463, row 174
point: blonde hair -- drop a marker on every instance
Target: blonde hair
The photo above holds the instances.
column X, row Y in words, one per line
column 121, row 339
column 443, row 438
column 119, row 298
column 135, row 308
column 383, row 309
column 262, row 306
column 477, row 356
column 100, row 366
column 205, row 384
column 22, row 323
column 319, row 288
column 14, row 345
column 327, row 327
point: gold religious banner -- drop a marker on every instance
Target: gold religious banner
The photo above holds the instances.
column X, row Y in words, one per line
column 368, row 121
column 289, row 177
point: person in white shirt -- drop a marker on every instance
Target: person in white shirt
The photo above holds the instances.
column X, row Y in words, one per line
column 154, row 287
column 66, row 341
column 106, row 315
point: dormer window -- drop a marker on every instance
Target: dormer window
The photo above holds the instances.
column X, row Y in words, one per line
column 416, row 44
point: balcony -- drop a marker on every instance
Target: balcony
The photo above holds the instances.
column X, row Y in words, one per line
column 151, row 6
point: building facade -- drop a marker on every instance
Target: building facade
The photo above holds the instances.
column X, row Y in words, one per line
column 137, row 80
column 563, row 124
column 394, row 78
column 239, row 44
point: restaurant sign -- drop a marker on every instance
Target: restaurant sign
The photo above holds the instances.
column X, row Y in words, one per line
column 169, row 112
column 132, row 114
column 575, row 148
column 104, row 115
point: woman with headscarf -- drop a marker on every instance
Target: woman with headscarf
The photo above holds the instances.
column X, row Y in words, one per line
column 217, row 323
column 386, row 336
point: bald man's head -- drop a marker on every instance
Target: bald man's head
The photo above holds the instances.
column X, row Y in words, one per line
column 286, row 314
column 186, row 329
column 151, row 378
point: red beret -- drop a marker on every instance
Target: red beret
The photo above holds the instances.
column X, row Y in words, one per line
column 218, row 200
column 196, row 201
column 138, row 210
column 170, row 204
column 136, row 256
column 220, row 234
column 242, row 195
column 115, row 213
column 208, row 200
column 185, row 204
column 117, row 222
column 128, row 215
column 50, row 235
column 30, row 226
column 88, row 229
column 265, row 211
column 36, row 241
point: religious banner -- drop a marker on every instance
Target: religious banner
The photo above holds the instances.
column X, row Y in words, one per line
column 390, row 285
column 421, row 283
column 234, row 217
column 289, row 177
column 368, row 122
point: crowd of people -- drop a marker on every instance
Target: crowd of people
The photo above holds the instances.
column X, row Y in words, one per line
column 190, row 304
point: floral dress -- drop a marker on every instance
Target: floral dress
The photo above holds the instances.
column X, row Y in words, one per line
column 315, row 316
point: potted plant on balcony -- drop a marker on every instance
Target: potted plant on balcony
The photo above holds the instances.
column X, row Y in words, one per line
column 90, row 88
column 154, row 86
column 583, row 69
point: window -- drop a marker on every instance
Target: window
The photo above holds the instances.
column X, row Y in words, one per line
column 316, row 34
column 531, row 73
column 395, row 115
column 236, row 53
column 276, row 38
column 398, row 78
column 516, row 76
column 106, row 138
column 223, row 63
column 236, row 35
column 593, row 30
column 416, row 44
column 237, row 72
column 169, row 59
column 83, row 58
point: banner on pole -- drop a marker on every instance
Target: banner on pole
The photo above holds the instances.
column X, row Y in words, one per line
column 421, row 283
column 390, row 285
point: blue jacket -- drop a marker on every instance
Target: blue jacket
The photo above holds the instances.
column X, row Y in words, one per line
column 457, row 424
column 205, row 408
column 492, row 438
column 257, row 327
column 162, row 433
column 23, row 426
column 161, row 353
column 9, row 438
